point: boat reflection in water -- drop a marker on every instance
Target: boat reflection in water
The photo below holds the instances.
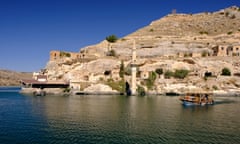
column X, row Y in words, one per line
column 196, row 98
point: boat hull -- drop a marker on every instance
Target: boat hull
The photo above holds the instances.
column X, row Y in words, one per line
column 187, row 103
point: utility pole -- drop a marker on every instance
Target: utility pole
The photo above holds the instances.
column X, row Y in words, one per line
column 134, row 69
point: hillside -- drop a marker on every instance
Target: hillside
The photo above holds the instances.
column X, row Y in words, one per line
column 198, row 43
column 212, row 24
column 178, row 33
column 11, row 78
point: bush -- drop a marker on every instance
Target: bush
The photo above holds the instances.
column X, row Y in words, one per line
column 181, row 74
column 141, row 91
column 215, row 87
column 151, row 79
column 116, row 85
column 112, row 38
column 226, row 72
column 168, row 74
column 64, row 54
column 204, row 53
column 151, row 30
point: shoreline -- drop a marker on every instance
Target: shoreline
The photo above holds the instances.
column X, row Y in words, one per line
column 60, row 92
column 54, row 91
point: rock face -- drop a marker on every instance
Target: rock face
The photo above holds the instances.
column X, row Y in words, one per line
column 177, row 41
column 99, row 88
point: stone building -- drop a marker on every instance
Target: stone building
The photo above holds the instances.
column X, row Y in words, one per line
column 56, row 55
column 224, row 50
column 236, row 50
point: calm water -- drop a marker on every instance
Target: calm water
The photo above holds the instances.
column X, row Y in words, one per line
column 115, row 119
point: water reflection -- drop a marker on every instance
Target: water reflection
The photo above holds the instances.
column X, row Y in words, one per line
column 150, row 119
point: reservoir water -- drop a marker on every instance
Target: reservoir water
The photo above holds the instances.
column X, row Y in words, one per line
column 115, row 119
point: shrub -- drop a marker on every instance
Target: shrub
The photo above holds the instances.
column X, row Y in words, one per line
column 112, row 38
column 151, row 79
column 215, row 87
column 181, row 74
column 66, row 90
column 204, row 53
column 64, row 54
column 186, row 55
column 226, row 72
column 229, row 32
column 141, row 91
column 168, row 74
column 116, row 85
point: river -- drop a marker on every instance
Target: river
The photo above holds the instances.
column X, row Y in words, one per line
column 115, row 119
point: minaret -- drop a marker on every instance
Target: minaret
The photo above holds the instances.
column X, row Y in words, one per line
column 134, row 69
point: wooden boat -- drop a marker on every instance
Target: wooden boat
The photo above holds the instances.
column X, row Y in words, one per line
column 203, row 98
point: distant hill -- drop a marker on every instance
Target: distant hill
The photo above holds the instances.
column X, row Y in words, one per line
column 11, row 78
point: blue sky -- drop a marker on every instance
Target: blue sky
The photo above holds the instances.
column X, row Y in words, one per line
column 30, row 29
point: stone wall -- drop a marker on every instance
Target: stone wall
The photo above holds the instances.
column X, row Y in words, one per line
column 56, row 55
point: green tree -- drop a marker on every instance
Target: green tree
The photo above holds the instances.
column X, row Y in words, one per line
column 226, row 72
column 111, row 38
column 159, row 71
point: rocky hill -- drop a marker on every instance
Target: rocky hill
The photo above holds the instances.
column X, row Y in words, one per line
column 11, row 78
column 199, row 43
column 178, row 33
